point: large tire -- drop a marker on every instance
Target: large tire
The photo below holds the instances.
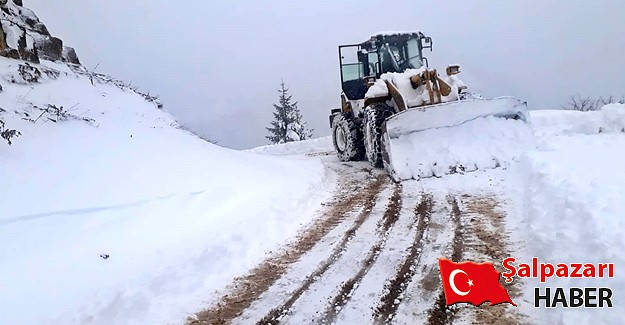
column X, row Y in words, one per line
column 375, row 116
column 347, row 138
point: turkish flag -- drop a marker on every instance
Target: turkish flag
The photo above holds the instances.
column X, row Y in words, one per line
column 471, row 282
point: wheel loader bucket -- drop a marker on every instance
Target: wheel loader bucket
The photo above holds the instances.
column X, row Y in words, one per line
column 455, row 137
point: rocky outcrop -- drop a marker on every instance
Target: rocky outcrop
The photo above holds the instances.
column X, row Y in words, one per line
column 69, row 55
column 23, row 36
column 49, row 48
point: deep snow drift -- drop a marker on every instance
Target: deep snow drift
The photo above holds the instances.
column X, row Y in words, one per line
column 573, row 209
column 98, row 170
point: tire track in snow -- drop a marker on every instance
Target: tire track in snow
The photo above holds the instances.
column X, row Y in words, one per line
column 276, row 314
column 391, row 215
column 247, row 289
column 363, row 299
column 389, row 302
column 479, row 235
column 475, row 230
column 439, row 313
column 487, row 239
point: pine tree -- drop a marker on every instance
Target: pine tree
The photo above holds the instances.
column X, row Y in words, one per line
column 287, row 125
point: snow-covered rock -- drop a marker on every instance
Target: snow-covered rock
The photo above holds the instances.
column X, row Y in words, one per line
column 24, row 36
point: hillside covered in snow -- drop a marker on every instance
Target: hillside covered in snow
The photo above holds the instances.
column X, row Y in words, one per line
column 98, row 170
column 110, row 213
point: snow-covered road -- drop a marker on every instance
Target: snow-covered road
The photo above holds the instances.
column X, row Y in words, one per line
column 371, row 256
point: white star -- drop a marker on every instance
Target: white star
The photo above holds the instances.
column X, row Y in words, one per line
column 470, row 283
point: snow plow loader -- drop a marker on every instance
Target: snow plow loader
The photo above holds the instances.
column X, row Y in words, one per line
column 405, row 117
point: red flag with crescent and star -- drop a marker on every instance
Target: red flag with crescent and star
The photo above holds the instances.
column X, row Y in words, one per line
column 471, row 282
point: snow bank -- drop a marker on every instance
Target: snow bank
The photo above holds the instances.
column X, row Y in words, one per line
column 574, row 214
column 611, row 118
column 573, row 202
column 312, row 146
column 113, row 176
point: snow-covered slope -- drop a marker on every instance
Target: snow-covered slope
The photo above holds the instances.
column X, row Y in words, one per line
column 99, row 171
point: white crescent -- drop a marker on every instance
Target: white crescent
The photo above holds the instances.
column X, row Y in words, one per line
column 452, row 284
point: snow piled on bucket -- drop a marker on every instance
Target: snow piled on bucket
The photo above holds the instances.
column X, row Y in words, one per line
column 487, row 142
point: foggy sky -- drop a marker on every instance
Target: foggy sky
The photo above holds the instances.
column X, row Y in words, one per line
column 217, row 64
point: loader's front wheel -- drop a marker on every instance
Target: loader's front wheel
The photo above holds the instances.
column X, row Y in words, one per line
column 375, row 115
column 347, row 137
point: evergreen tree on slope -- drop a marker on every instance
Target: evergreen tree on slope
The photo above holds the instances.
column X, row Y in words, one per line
column 287, row 125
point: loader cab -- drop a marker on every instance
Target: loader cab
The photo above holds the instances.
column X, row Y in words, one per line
column 362, row 64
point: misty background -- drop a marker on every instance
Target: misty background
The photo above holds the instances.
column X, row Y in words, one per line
column 217, row 65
